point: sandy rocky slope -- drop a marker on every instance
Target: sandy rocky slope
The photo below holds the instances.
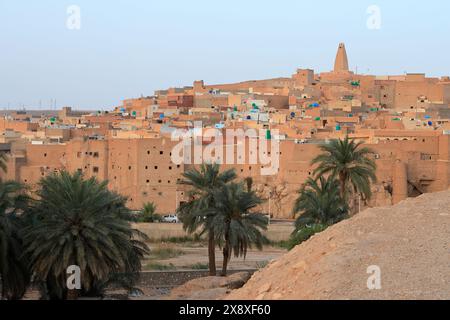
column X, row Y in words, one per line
column 409, row 242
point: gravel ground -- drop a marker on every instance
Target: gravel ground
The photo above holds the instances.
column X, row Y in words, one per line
column 410, row 243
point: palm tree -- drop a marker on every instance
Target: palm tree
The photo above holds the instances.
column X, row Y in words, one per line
column 350, row 163
column 14, row 272
column 80, row 222
column 203, row 183
column 235, row 226
column 148, row 213
column 319, row 202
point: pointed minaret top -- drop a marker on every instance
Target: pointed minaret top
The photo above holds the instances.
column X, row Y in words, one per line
column 341, row 63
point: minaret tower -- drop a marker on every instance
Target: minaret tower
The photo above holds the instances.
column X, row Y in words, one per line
column 341, row 63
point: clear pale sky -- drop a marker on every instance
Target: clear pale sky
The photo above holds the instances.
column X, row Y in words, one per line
column 126, row 48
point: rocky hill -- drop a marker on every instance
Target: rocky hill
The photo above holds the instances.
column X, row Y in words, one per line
column 409, row 244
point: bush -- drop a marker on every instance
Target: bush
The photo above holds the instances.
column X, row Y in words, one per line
column 305, row 234
column 164, row 253
column 148, row 214
column 177, row 240
column 198, row 266
column 155, row 266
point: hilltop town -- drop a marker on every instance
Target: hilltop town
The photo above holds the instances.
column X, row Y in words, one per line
column 405, row 119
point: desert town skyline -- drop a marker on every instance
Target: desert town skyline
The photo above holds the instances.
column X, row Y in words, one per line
column 226, row 158
column 404, row 118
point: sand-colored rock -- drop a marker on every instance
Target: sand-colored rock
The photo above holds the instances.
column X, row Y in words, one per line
column 209, row 288
column 410, row 242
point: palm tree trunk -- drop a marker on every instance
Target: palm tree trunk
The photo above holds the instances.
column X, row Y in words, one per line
column 226, row 258
column 212, row 254
column 342, row 181
column 226, row 251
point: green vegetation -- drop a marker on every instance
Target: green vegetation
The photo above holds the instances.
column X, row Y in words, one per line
column 14, row 271
column 319, row 202
column 262, row 264
column 148, row 214
column 344, row 168
column 186, row 239
column 222, row 210
column 164, row 253
column 304, row 234
column 203, row 183
column 350, row 163
column 155, row 266
column 71, row 221
column 198, row 266
column 235, row 225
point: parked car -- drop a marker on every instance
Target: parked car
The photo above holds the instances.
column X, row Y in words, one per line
column 171, row 218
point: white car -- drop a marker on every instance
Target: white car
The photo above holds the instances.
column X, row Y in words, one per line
column 171, row 218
